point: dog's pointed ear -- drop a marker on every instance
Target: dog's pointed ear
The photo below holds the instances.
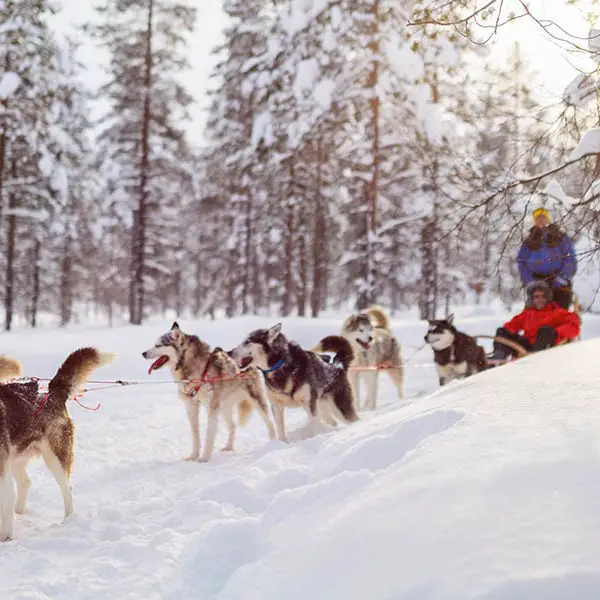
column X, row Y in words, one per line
column 175, row 326
column 450, row 318
column 273, row 333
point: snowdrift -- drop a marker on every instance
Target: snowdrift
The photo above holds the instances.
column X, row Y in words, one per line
column 486, row 489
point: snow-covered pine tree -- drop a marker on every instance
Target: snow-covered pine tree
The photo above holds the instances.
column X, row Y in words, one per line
column 143, row 132
column 235, row 164
column 73, row 185
column 28, row 183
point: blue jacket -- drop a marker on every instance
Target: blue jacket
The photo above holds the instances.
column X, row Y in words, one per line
column 552, row 260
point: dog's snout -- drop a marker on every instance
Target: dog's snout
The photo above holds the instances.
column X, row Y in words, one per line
column 230, row 353
column 144, row 353
column 370, row 339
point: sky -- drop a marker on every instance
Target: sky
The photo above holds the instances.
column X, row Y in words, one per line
column 556, row 66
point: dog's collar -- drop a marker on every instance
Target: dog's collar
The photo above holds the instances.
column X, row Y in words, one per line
column 276, row 366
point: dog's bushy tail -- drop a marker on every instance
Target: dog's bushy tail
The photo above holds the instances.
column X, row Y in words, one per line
column 10, row 368
column 379, row 317
column 74, row 372
column 245, row 409
column 340, row 346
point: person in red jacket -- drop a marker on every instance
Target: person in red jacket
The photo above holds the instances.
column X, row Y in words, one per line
column 543, row 323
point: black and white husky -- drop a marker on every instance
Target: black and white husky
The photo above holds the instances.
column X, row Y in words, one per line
column 456, row 354
column 300, row 378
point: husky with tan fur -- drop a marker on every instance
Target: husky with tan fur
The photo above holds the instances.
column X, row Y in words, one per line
column 189, row 358
column 370, row 336
column 10, row 368
column 34, row 424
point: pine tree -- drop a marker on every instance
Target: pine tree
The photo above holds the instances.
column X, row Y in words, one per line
column 29, row 126
column 143, row 131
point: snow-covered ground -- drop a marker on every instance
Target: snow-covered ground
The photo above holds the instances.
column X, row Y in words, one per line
column 487, row 489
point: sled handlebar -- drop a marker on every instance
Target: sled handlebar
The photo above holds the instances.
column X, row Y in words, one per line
column 506, row 342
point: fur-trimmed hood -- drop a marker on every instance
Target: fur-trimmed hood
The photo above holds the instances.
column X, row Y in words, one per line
column 552, row 236
column 538, row 285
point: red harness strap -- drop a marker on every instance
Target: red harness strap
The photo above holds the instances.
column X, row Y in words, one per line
column 41, row 404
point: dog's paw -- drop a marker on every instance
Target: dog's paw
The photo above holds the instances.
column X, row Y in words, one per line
column 19, row 510
column 227, row 448
column 192, row 457
column 6, row 537
column 204, row 458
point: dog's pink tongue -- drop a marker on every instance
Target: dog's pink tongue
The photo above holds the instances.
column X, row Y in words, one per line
column 158, row 363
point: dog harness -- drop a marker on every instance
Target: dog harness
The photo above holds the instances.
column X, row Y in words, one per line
column 276, row 366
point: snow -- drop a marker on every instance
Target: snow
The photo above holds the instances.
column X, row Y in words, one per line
column 407, row 63
column 9, row 82
column 262, row 129
column 46, row 164
column 306, row 75
column 554, row 190
column 323, row 93
column 486, row 489
column 581, row 90
column 587, row 278
column 589, row 144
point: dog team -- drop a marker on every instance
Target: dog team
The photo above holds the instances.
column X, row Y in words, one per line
column 266, row 370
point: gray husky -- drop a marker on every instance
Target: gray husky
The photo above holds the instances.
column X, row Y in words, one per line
column 34, row 424
column 374, row 346
column 300, row 378
column 189, row 358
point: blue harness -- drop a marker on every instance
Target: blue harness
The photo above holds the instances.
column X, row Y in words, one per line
column 276, row 366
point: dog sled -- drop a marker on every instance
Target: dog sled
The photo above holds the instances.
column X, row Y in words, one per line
column 518, row 349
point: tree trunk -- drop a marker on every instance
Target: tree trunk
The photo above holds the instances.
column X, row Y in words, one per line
column 430, row 233
column 178, row 291
column 288, row 290
column 373, row 185
column 139, row 233
column 35, row 292
column 198, row 291
column 320, row 256
column 302, row 292
column 231, row 284
column 2, row 161
column 10, row 255
column 66, row 282
column 428, row 301
column 248, row 251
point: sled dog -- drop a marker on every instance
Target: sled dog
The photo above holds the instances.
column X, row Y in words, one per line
column 9, row 368
column 456, row 354
column 370, row 336
column 189, row 358
column 33, row 424
column 299, row 378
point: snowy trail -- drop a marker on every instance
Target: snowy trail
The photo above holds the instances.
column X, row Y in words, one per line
column 485, row 489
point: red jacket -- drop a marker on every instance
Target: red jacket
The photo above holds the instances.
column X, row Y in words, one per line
column 530, row 320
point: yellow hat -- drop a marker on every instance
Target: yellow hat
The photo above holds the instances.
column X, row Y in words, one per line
column 541, row 211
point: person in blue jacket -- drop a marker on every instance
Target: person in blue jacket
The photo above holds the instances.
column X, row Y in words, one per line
column 547, row 254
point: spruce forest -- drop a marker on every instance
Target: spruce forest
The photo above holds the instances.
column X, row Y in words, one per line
column 355, row 151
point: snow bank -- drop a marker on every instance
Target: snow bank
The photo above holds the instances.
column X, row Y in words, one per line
column 486, row 489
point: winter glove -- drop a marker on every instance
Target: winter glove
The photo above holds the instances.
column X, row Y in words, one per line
column 559, row 282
